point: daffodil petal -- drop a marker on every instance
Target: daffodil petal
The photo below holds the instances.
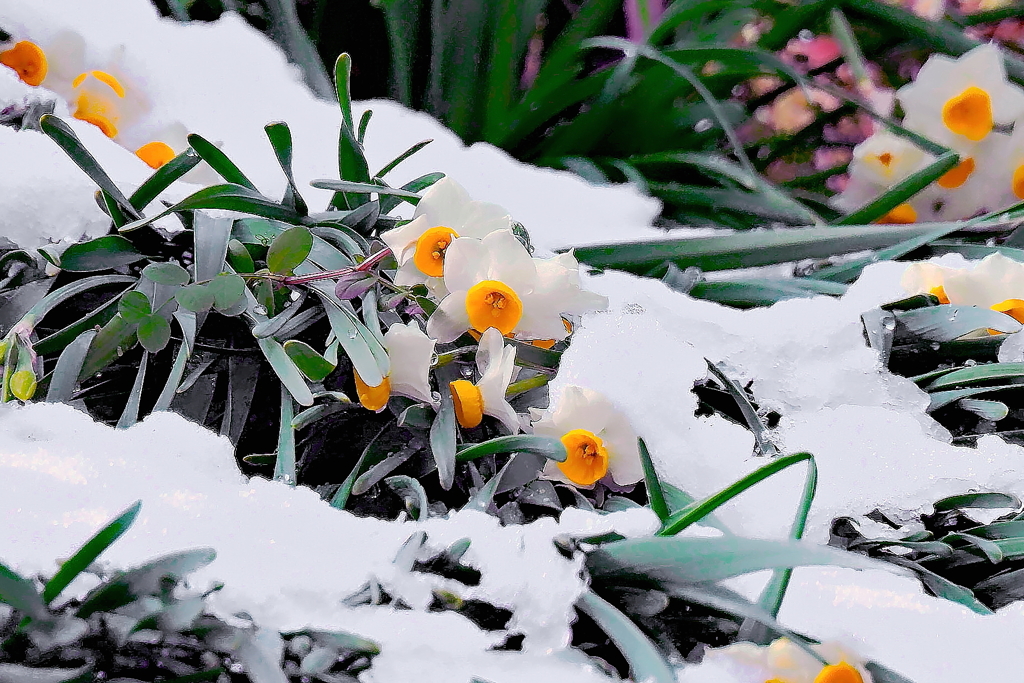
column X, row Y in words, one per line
column 411, row 353
column 450, row 320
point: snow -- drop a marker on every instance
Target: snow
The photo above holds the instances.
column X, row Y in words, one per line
column 62, row 476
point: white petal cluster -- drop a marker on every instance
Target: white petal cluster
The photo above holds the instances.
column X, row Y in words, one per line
column 446, row 204
column 965, row 104
column 100, row 91
column 580, row 408
column 534, row 293
column 496, row 364
column 782, row 660
column 994, row 280
column 411, row 353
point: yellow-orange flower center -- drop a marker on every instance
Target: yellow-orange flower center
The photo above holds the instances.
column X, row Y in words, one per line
column 1018, row 182
column 838, row 673
column 969, row 113
column 958, row 175
column 587, row 459
column 940, row 294
column 373, row 398
column 430, row 249
column 493, row 304
column 102, row 77
column 28, row 60
column 155, row 154
column 885, row 158
column 469, row 403
column 904, row 213
column 1011, row 307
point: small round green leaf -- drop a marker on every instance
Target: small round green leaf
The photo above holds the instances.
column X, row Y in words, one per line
column 166, row 274
column 154, row 333
column 134, row 307
column 312, row 364
column 289, row 249
column 227, row 289
column 196, row 298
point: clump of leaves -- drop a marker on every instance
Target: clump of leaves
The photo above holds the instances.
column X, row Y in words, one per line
column 145, row 624
column 956, row 556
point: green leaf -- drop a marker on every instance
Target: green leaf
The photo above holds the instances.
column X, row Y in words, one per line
column 547, row 446
column 977, row 374
column 166, row 274
column 62, row 134
column 134, row 307
column 163, row 177
column 147, row 579
column 939, row 399
column 443, row 433
column 154, row 332
column 655, row 492
column 373, row 452
column 239, row 258
column 163, row 401
column 197, row 298
column 281, row 140
column 211, row 236
column 984, row 500
column 349, row 186
column 645, row 661
column 358, row 342
column 986, row 410
column 64, row 378
column 229, row 197
column 284, row 465
column 751, row 292
column 697, row 510
column 289, row 249
column 130, row 414
column 219, row 161
column 227, row 289
column 945, row 323
column 762, row 438
column 312, row 364
column 286, row 371
column 21, row 594
column 88, row 553
column 342, row 87
column 675, row 561
column 412, row 494
column 390, row 166
column 745, row 249
column 102, row 253
column 416, row 185
column 901, row 191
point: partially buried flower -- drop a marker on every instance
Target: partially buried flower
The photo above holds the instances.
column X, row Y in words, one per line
column 101, row 98
column 996, row 282
column 411, row 353
column 496, row 364
column 784, row 662
column 444, row 214
column 599, row 439
column 52, row 63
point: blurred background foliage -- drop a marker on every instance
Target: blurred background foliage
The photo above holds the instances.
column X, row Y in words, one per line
column 735, row 114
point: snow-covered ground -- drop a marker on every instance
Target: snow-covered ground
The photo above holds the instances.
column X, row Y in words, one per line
column 62, row 476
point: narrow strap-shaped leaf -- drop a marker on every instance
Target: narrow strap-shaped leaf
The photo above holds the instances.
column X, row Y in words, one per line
column 645, row 662
column 21, row 594
column 130, row 414
column 284, row 466
column 68, row 291
column 211, row 236
column 349, row 186
column 655, row 492
column 163, row 401
column 547, row 446
column 390, row 166
column 342, row 87
column 442, row 441
column 761, row 436
column 416, row 185
column 286, row 371
column 483, row 498
column 219, row 161
column 88, row 553
column 230, row 197
column 364, row 122
column 281, row 140
column 412, row 493
column 69, row 365
column 61, row 133
column 163, row 177
column 371, row 455
column 901, row 191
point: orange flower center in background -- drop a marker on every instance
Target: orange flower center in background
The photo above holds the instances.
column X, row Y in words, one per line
column 940, row 294
column 885, row 158
column 28, row 60
column 838, row 673
column 430, row 249
column 103, row 77
column 469, row 403
column 969, row 114
column 1018, row 182
column 958, row 175
column 155, row 154
column 1011, row 307
column 587, row 459
column 904, row 213
column 372, row 398
column 493, row 304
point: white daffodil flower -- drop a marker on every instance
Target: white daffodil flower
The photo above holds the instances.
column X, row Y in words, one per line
column 102, row 99
column 996, row 282
column 411, row 353
column 878, row 163
column 489, row 282
column 444, row 214
column 53, row 63
column 496, row 364
column 784, row 662
column 558, row 292
column 955, row 101
column 598, row 437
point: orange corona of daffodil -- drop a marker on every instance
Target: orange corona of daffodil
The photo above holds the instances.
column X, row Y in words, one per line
column 28, row 60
